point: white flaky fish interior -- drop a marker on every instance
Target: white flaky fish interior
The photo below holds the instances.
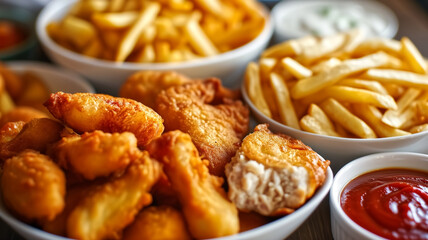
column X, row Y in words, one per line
column 256, row 187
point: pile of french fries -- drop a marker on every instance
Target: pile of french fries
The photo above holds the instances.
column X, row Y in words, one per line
column 343, row 85
column 157, row 31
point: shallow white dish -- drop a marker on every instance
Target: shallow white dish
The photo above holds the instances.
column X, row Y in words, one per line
column 341, row 150
column 108, row 76
column 278, row 229
column 341, row 225
column 55, row 78
column 290, row 17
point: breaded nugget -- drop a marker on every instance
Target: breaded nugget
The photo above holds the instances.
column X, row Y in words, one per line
column 37, row 134
column 107, row 210
column 33, row 186
column 96, row 154
column 158, row 223
column 144, row 86
column 211, row 114
column 87, row 112
column 273, row 174
column 207, row 210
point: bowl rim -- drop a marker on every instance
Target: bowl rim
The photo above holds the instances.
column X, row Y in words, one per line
column 303, row 212
column 42, row 67
column 52, row 7
column 283, row 7
column 320, row 137
column 350, row 168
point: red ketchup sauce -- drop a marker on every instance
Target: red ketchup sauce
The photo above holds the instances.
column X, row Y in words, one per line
column 392, row 203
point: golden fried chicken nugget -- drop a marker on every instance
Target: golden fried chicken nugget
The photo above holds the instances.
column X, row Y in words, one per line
column 107, row 210
column 273, row 174
column 207, row 210
column 144, row 86
column 87, row 112
column 21, row 113
column 96, row 154
column 212, row 115
column 158, row 223
column 37, row 134
column 33, row 186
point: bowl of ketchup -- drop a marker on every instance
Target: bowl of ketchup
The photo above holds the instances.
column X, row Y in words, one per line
column 17, row 38
column 381, row 196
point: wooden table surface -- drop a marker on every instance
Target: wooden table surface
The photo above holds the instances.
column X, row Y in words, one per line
column 413, row 23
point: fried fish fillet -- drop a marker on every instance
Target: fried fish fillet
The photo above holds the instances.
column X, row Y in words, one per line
column 211, row 114
column 273, row 174
column 33, row 186
column 107, row 210
column 87, row 112
column 207, row 210
column 144, row 86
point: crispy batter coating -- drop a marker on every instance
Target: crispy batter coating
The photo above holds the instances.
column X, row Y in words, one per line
column 210, row 114
column 273, row 174
column 144, row 86
column 279, row 150
column 33, row 186
column 158, row 223
column 73, row 196
column 96, row 154
column 207, row 210
column 87, row 112
column 21, row 113
column 107, row 210
column 37, row 134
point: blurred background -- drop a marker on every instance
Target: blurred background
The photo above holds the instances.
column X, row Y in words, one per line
column 412, row 16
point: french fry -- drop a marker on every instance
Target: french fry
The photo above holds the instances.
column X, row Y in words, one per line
column 390, row 116
column 78, row 31
column 114, row 20
column 6, row 103
column 198, row 39
column 325, row 65
column 338, row 113
column 116, row 5
column 147, row 15
column 286, row 108
column 372, row 116
column 364, row 84
column 289, row 48
column 419, row 128
column 373, row 45
column 405, row 78
column 147, row 54
column 295, row 68
column 316, row 121
column 254, row 89
column 357, row 95
column 315, row 83
column 323, row 48
column 413, row 56
column 212, row 6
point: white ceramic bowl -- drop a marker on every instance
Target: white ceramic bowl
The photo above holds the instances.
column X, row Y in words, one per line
column 55, row 78
column 295, row 19
column 341, row 225
column 275, row 230
column 341, row 150
column 108, row 76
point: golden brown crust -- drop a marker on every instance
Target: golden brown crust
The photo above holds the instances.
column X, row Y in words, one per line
column 144, row 86
column 33, row 186
column 21, row 113
column 280, row 150
column 212, row 115
column 86, row 112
